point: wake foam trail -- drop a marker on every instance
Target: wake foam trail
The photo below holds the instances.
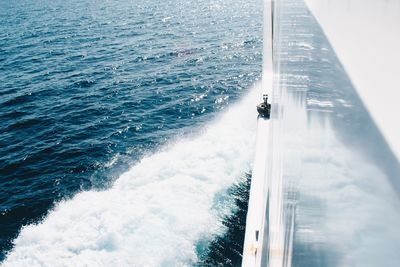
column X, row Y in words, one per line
column 154, row 213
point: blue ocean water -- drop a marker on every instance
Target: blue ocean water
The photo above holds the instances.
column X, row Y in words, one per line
column 88, row 88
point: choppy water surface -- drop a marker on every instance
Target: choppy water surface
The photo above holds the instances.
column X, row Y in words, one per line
column 87, row 89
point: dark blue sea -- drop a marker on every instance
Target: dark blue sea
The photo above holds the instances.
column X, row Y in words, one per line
column 121, row 138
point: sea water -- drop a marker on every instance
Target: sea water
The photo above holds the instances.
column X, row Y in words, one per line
column 123, row 126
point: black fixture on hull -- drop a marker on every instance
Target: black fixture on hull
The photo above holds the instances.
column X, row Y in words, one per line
column 264, row 108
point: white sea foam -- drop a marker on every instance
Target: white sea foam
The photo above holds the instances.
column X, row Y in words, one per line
column 156, row 212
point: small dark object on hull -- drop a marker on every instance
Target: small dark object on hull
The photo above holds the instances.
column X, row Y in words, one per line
column 264, row 109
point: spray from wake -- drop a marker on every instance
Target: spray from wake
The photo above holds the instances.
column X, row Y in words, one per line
column 154, row 213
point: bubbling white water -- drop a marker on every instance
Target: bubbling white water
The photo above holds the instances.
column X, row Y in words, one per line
column 154, row 213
